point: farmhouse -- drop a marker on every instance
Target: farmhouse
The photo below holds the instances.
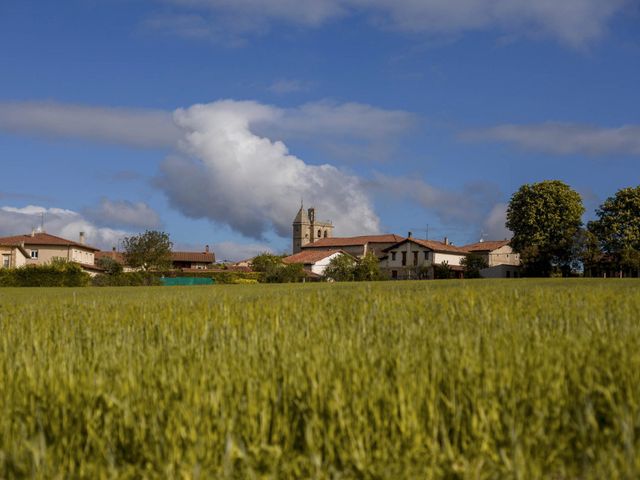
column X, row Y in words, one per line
column 314, row 261
column 356, row 246
column 502, row 261
column 42, row 248
column 416, row 258
column 179, row 260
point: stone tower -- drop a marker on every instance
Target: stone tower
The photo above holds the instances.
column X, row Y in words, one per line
column 306, row 229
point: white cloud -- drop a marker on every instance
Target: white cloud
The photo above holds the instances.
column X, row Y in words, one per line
column 124, row 214
column 572, row 22
column 125, row 126
column 57, row 221
column 229, row 174
column 565, row 138
column 465, row 207
column 494, row 227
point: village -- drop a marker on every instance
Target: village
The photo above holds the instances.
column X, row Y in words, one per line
column 314, row 247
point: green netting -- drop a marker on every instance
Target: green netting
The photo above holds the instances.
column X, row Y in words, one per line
column 181, row 281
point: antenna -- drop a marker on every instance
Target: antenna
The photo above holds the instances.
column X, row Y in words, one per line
column 425, row 230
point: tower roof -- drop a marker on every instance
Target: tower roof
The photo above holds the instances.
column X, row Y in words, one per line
column 302, row 216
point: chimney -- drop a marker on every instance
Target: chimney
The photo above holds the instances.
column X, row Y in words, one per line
column 206, row 248
column 82, row 238
column 446, row 241
column 409, row 234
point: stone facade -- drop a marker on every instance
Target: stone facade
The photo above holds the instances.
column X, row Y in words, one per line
column 306, row 229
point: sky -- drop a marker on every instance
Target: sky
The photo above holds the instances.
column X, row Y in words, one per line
column 213, row 119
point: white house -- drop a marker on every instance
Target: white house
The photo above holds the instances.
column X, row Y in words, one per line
column 415, row 258
column 315, row 262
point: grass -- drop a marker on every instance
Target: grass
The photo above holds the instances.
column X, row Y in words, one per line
column 474, row 379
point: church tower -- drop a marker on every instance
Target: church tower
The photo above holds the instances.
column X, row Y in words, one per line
column 301, row 229
column 306, row 229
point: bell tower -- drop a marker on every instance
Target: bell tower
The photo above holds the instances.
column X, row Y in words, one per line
column 301, row 230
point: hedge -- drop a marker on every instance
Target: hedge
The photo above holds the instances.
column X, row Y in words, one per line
column 55, row 275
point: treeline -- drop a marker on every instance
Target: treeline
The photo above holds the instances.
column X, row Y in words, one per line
column 552, row 240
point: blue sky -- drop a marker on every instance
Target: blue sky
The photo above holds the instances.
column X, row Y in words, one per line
column 210, row 119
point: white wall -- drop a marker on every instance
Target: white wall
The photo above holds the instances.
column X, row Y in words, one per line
column 320, row 266
column 450, row 258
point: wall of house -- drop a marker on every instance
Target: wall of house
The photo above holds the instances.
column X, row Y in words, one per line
column 6, row 253
column 377, row 248
column 82, row 256
column 320, row 266
column 408, row 248
column 501, row 271
column 450, row 258
column 503, row 256
column 47, row 253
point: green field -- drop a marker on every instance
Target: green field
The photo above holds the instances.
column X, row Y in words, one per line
column 474, row 379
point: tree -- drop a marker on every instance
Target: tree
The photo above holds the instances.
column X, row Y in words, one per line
column 442, row 271
column 275, row 271
column 545, row 218
column 150, row 250
column 367, row 268
column 341, row 268
column 617, row 228
column 110, row 266
column 472, row 265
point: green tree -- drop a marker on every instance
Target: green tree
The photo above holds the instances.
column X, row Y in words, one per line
column 291, row 273
column 545, row 218
column 472, row 265
column 617, row 228
column 341, row 268
column 110, row 266
column 367, row 268
column 442, row 271
column 150, row 250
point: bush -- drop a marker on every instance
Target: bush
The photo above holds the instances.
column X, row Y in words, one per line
column 129, row 279
column 58, row 274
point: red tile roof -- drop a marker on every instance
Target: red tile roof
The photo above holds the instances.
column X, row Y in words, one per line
column 353, row 241
column 486, row 246
column 310, row 257
column 196, row 257
column 43, row 239
column 199, row 257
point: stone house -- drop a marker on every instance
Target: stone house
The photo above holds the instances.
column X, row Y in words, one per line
column 502, row 261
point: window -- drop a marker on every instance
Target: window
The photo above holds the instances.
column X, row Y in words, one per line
column 325, row 234
column 426, row 255
column 34, row 253
column 6, row 261
column 393, row 256
column 415, row 258
column 319, row 233
column 508, row 273
column 394, row 274
column 404, row 258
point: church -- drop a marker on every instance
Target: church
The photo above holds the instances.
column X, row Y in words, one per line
column 306, row 229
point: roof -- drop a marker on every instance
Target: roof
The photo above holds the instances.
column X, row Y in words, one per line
column 310, row 257
column 201, row 257
column 353, row 241
column 431, row 245
column 43, row 239
column 486, row 246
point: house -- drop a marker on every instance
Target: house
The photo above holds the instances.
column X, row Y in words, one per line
column 356, row 246
column 179, row 260
column 502, row 261
column 315, row 262
column 43, row 248
column 413, row 258
column 13, row 256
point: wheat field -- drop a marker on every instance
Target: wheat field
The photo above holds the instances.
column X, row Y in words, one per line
column 451, row 379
